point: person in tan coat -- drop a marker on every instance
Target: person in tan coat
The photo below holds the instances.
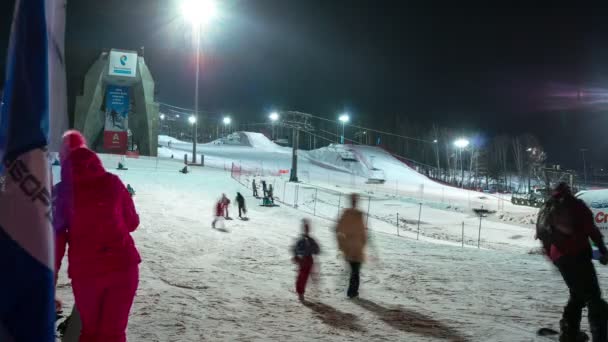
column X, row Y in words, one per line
column 351, row 234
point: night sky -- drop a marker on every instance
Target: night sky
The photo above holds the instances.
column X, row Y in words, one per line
column 542, row 70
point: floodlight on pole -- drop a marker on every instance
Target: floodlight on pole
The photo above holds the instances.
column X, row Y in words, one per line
column 162, row 116
column 274, row 117
column 227, row 120
column 199, row 12
column 461, row 144
column 344, row 118
column 192, row 119
column 435, row 141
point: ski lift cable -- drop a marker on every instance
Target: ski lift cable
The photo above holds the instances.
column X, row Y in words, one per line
column 373, row 130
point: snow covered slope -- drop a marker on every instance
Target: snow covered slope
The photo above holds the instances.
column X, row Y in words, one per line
column 199, row 284
column 327, row 167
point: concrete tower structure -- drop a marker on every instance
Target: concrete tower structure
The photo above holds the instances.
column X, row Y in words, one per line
column 116, row 111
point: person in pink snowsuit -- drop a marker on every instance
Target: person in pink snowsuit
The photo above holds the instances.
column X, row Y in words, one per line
column 94, row 214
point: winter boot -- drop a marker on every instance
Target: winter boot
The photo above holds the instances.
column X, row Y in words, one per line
column 568, row 332
column 598, row 321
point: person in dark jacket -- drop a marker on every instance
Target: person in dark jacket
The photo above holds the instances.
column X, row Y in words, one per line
column 565, row 225
column 255, row 188
column 240, row 201
column 270, row 193
column 304, row 250
column 264, row 190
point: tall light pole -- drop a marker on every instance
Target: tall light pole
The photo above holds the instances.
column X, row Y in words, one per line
column 274, row 117
column 227, row 121
column 436, row 143
column 461, row 144
column 583, row 150
column 344, row 118
column 199, row 14
column 192, row 121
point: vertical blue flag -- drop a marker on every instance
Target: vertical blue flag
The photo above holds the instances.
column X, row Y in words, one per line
column 26, row 239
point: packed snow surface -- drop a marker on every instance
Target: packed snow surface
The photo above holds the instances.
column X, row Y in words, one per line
column 201, row 284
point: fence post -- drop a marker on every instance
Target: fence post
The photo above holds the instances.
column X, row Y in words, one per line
column 295, row 197
column 369, row 204
column 397, row 224
column 314, row 210
column 462, row 234
column 284, row 189
column 479, row 235
column 419, row 215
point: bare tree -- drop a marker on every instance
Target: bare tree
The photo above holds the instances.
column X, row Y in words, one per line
column 501, row 149
column 519, row 158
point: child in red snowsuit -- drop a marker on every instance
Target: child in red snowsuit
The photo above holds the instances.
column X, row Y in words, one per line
column 94, row 213
column 221, row 210
column 303, row 251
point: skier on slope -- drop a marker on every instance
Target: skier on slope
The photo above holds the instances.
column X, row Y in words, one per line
column 220, row 208
column 94, row 214
column 240, row 201
column 264, row 190
column 304, row 250
column 565, row 225
column 351, row 234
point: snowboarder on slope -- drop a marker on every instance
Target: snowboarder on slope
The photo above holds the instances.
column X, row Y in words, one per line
column 103, row 259
column 240, row 201
column 264, row 189
column 270, row 193
column 304, row 250
column 565, row 225
column 255, row 188
column 351, row 234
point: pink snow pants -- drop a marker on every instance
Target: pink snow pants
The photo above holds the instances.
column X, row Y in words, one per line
column 104, row 303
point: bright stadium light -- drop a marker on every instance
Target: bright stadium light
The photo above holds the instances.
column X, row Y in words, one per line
column 177, row 116
column 461, row 143
column 344, row 118
column 192, row 119
column 274, row 116
column 199, row 12
column 162, row 116
column 227, row 120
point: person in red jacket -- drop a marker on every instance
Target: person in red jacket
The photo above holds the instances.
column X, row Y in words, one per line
column 94, row 214
column 565, row 226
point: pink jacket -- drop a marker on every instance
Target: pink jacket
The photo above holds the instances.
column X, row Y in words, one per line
column 93, row 214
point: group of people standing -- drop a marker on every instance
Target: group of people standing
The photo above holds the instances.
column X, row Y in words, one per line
column 94, row 216
column 267, row 192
